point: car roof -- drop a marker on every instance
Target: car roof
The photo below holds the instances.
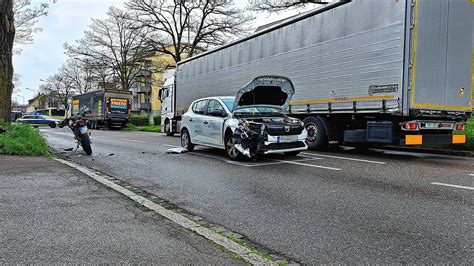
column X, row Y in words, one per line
column 215, row 97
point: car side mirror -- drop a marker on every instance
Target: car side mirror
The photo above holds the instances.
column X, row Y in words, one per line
column 220, row 113
column 160, row 92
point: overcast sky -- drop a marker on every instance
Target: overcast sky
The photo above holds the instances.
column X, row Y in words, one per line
column 66, row 22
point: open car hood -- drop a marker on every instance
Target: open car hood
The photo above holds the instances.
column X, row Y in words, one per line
column 266, row 90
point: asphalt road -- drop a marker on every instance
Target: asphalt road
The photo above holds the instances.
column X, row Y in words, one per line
column 52, row 214
column 341, row 206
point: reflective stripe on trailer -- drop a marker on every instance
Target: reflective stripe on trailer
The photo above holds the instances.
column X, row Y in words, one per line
column 433, row 139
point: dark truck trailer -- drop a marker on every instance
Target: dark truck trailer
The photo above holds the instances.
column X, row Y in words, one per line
column 364, row 71
column 105, row 108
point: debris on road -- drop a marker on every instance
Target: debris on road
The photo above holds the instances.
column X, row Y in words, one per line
column 177, row 150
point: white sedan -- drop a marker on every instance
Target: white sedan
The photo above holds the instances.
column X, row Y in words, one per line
column 253, row 123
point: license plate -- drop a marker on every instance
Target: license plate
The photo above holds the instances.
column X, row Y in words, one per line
column 83, row 130
column 283, row 139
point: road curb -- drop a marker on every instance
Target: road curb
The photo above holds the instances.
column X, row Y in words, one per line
column 226, row 243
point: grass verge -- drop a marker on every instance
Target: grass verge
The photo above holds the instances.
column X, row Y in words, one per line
column 24, row 140
column 130, row 127
column 151, row 128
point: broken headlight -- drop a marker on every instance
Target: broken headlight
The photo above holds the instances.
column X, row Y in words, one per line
column 250, row 129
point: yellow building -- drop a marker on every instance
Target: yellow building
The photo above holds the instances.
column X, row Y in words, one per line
column 149, row 83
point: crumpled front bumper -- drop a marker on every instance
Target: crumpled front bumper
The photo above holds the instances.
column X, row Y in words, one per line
column 281, row 144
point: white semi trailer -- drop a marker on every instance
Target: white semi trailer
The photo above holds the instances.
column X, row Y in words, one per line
column 365, row 71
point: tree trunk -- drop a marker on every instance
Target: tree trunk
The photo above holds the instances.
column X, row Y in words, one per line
column 7, row 35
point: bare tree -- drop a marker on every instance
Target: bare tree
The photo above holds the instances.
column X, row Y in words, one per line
column 116, row 41
column 97, row 71
column 26, row 19
column 58, row 87
column 281, row 5
column 16, row 83
column 79, row 73
column 18, row 22
column 179, row 26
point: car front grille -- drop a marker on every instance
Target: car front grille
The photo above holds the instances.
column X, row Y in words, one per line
column 280, row 130
column 285, row 146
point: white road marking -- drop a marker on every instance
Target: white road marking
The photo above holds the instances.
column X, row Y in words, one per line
column 171, row 146
column 344, row 158
column 176, row 218
column 450, row 185
column 132, row 140
column 309, row 165
column 281, row 162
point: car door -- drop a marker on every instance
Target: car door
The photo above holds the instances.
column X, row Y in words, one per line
column 213, row 123
column 195, row 121
column 27, row 119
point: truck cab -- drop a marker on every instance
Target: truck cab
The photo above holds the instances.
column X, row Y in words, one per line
column 167, row 103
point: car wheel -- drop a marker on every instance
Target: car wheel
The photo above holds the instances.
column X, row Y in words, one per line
column 168, row 129
column 232, row 152
column 52, row 125
column 292, row 153
column 186, row 140
column 317, row 138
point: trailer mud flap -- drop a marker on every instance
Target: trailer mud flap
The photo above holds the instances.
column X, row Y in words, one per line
column 433, row 139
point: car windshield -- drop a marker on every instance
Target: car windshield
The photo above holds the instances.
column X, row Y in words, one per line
column 229, row 102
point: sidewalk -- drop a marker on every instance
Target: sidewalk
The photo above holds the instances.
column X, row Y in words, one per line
column 50, row 213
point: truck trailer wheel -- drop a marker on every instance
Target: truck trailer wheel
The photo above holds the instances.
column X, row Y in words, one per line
column 317, row 135
column 168, row 129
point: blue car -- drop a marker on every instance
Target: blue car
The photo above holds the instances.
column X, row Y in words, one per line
column 39, row 120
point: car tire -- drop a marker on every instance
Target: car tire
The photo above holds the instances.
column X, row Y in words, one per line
column 186, row 140
column 86, row 144
column 230, row 150
column 52, row 125
column 317, row 135
column 292, row 153
column 168, row 129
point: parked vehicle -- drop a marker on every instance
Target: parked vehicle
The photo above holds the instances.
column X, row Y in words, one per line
column 252, row 123
column 78, row 126
column 56, row 113
column 39, row 120
column 398, row 76
column 15, row 115
column 105, row 108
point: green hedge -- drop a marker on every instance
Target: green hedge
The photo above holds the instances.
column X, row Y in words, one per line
column 470, row 134
column 157, row 120
column 22, row 139
column 139, row 120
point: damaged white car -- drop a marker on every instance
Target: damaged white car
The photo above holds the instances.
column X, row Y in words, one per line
column 252, row 123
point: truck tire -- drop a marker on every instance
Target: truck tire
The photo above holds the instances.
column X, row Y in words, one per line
column 86, row 144
column 168, row 131
column 186, row 140
column 317, row 135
